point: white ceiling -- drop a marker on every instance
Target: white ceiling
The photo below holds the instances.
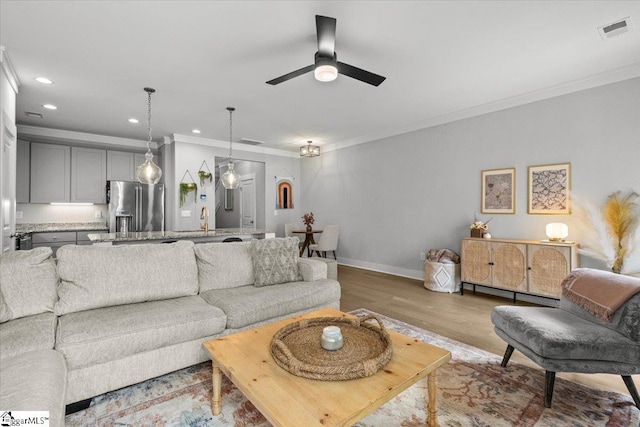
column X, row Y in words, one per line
column 443, row 60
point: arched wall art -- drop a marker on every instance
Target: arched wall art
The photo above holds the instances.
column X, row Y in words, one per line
column 284, row 192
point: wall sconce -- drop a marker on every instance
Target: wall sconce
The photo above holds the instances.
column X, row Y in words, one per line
column 557, row 231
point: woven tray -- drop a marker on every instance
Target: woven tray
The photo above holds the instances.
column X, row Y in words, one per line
column 367, row 348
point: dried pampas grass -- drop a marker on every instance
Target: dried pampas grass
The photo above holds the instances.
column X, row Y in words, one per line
column 613, row 233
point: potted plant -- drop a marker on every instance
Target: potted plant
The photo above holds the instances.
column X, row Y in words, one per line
column 186, row 188
column 478, row 228
column 308, row 219
column 204, row 175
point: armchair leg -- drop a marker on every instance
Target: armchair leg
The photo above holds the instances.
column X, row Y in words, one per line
column 334, row 255
column 507, row 356
column 633, row 391
column 549, row 380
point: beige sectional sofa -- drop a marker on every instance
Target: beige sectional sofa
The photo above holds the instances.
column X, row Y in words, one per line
column 102, row 318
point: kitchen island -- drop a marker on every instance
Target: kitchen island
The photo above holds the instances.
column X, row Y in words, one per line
column 196, row 236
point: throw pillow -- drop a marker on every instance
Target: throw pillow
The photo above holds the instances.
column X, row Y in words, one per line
column 274, row 261
column 28, row 283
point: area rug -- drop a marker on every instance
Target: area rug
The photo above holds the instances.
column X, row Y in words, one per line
column 474, row 390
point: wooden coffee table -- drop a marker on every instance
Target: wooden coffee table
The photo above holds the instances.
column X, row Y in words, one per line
column 287, row 400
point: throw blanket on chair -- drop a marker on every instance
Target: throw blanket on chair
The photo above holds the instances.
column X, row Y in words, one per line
column 599, row 292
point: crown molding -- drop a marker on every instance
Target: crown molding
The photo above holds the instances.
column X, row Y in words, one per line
column 8, row 69
column 35, row 133
column 225, row 145
column 587, row 82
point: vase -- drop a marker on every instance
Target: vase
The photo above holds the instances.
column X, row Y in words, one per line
column 308, row 228
column 476, row 232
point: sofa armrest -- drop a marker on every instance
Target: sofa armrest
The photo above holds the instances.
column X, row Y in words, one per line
column 312, row 270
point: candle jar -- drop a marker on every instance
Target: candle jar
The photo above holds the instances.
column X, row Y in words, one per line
column 332, row 338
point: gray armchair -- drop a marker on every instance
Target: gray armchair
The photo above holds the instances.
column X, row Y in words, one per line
column 571, row 339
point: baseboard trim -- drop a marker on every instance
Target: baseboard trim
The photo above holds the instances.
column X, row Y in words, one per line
column 383, row 268
column 419, row 275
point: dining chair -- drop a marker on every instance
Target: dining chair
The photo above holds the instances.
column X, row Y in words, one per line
column 289, row 227
column 328, row 241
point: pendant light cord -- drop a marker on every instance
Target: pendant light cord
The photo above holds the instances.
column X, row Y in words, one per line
column 149, row 121
column 231, row 110
column 149, row 92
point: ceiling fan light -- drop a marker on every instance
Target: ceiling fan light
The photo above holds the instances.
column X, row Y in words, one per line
column 326, row 73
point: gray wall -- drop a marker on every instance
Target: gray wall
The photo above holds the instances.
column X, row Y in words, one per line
column 399, row 196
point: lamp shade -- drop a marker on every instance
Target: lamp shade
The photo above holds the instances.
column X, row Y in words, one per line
column 230, row 179
column 557, row 231
column 148, row 172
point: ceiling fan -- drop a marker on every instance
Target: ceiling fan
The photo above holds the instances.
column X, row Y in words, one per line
column 327, row 66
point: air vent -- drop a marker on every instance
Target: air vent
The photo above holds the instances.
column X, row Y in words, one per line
column 32, row 114
column 615, row 28
column 250, row 141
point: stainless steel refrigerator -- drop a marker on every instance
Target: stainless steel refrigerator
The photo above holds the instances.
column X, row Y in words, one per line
column 135, row 207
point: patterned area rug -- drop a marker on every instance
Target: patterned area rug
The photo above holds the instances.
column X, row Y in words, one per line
column 473, row 391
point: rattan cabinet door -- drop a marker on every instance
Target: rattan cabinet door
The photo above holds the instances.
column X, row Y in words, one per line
column 548, row 266
column 509, row 266
column 476, row 259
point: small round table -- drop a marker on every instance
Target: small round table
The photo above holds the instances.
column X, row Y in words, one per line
column 308, row 240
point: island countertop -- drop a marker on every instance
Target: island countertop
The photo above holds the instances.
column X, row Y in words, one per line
column 177, row 235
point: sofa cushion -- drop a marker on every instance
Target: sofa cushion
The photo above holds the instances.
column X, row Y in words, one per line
column 247, row 305
column 4, row 311
column 105, row 334
column 224, row 265
column 557, row 334
column 26, row 334
column 28, row 283
column 103, row 276
column 274, row 261
column 35, row 381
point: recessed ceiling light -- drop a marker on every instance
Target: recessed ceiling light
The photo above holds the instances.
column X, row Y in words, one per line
column 50, row 107
column 133, row 120
column 195, row 131
column 34, row 115
column 44, row 80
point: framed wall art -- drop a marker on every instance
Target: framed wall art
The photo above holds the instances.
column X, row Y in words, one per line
column 549, row 187
column 498, row 191
column 284, row 192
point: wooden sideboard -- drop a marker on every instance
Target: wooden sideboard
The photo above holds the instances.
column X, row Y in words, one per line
column 519, row 266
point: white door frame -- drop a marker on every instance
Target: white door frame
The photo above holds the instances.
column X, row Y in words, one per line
column 250, row 176
column 8, row 150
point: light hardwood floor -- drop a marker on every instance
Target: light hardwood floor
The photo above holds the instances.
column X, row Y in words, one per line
column 463, row 318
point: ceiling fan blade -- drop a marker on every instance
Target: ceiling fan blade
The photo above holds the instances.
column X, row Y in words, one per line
column 326, row 31
column 360, row 74
column 291, row 75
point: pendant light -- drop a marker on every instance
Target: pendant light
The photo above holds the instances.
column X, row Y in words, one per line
column 230, row 179
column 148, row 172
column 309, row 150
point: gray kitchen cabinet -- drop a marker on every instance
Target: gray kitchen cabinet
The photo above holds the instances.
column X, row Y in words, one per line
column 88, row 175
column 121, row 166
column 54, row 240
column 22, row 172
column 50, row 173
